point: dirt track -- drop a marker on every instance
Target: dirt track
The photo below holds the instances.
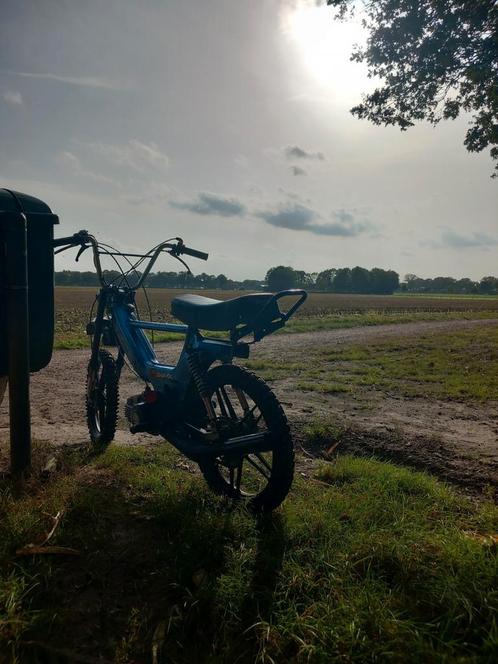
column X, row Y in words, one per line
column 452, row 439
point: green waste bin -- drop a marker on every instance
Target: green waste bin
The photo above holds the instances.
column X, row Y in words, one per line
column 40, row 259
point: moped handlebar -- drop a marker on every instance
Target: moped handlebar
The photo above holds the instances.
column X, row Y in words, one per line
column 193, row 252
column 85, row 239
column 71, row 240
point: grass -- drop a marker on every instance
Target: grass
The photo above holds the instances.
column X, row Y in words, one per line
column 462, row 365
column 321, row 311
column 365, row 562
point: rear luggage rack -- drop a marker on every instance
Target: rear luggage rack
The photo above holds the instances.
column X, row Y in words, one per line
column 262, row 325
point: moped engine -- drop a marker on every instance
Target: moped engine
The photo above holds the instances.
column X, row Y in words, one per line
column 143, row 411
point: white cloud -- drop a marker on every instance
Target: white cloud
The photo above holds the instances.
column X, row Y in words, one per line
column 84, row 81
column 71, row 163
column 454, row 240
column 134, row 154
column 206, row 203
column 12, row 97
column 297, row 217
column 295, row 152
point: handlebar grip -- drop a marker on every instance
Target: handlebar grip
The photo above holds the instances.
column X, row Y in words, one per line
column 71, row 239
column 61, row 241
column 193, row 252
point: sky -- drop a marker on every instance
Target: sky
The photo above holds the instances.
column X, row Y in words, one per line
column 227, row 123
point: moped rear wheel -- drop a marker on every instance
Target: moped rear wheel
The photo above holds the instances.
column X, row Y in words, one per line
column 102, row 397
column 244, row 404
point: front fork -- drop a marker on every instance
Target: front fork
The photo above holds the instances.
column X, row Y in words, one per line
column 97, row 336
column 99, row 326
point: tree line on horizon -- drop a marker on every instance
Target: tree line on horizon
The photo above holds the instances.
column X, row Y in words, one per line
column 357, row 280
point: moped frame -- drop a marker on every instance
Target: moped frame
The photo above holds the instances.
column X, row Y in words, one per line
column 136, row 347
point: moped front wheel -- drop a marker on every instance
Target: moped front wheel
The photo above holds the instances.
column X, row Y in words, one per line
column 244, row 404
column 102, row 397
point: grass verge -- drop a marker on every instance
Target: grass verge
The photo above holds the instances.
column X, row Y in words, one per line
column 365, row 562
column 462, row 365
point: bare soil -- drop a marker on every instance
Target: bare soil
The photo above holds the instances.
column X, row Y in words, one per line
column 454, row 440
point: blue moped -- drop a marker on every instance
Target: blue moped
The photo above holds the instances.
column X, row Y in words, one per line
column 216, row 413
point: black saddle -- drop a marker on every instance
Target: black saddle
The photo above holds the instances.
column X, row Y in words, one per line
column 205, row 313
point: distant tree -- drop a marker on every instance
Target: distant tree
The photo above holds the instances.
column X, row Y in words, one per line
column 488, row 285
column 415, row 284
column 442, row 284
column 383, row 282
column 63, row 278
column 88, row 278
column 221, row 280
column 280, row 278
column 360, row 280
column 466, row 286
column 324, row 280
column 342, row 281
column 303, row 279
column 435, row 58
column 409, row 278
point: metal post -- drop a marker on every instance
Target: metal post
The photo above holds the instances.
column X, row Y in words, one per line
column 17, row 322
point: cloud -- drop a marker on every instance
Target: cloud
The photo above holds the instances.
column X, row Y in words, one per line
column 297, row 217
column 453, row 240
column 297, row 170
column 343, row 216
column 134, row 154
column 12, row 97
column 206, row 203
column 293, row 195
column 84, row 81
column 295, row 152
column 71, row 163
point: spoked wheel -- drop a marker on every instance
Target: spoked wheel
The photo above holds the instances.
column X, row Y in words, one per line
column 244, row 404
column 102, row 400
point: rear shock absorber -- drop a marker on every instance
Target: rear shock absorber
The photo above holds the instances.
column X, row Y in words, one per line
column 198, row 377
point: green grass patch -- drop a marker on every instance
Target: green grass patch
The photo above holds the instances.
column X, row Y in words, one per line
column 463, row 365
column 371, row 562
column 270, row 369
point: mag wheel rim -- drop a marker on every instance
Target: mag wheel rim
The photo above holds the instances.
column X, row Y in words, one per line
column 246, row 475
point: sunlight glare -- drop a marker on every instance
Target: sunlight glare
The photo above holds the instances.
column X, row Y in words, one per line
column 324, row 47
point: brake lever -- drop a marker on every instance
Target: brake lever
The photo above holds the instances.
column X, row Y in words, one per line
column 189, row 271
column 81, row 250
column 175, row 251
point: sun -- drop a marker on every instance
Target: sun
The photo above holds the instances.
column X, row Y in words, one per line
column 324, row 47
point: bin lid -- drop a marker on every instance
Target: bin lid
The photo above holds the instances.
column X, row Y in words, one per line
column 15, row 201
